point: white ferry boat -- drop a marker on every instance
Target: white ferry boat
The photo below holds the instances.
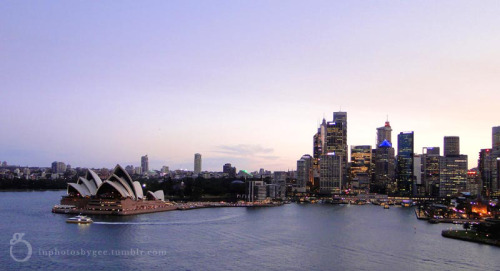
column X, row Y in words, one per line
column 80, row 219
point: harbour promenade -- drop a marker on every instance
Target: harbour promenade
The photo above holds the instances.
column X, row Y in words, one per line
column 153, row 207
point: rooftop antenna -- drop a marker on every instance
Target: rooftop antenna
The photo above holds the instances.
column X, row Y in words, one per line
column 387, row 119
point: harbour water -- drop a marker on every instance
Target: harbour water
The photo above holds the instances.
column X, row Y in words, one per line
column 288, row 237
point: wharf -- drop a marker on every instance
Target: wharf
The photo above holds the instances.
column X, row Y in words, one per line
column 422, row 216
column 470, row 236
column 156, row 207
column 199, row 205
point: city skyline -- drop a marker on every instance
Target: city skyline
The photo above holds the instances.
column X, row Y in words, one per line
column 100, row 84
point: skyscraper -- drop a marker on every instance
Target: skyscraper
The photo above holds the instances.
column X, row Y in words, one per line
column 452, row 169
column 342, row 118
column 451, row 146
column 360, row 170
column 384, row 162
column 495, row 135
column 318, row 147
column 304, row 172
column 197, row 163
column 145, row 164
column 430, row 170
column 330, row 174
column 384, row 169
column 487, row 171
column 335, row 141
column 384, row 133
column 418, row 186
column 405, row 164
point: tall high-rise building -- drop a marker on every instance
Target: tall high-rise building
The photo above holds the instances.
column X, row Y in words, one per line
column 342, row 118
column 495, row 153
column 453, row 175
column 384, row 162
column 430, row 170
column 330, row 174
column 418, row 186
column 452, row 169
column 487, row 171
column 405, row 165
column 304, row 172
column 360, row 170
column 145, row 164
column 197, row 163
column 317, row 144
column 495, row 135
column 384, row 133
column 451, row 146
column 319, row 140
column 335, row 140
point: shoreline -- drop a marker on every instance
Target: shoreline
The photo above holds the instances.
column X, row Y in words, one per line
column 64, row 209
column 470, row 236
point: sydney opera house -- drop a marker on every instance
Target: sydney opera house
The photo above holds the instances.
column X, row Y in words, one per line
column 118, row 195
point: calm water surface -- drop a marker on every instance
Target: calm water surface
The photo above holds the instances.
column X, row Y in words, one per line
column 290, row 237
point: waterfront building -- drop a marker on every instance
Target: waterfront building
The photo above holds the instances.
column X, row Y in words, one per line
column 85, row 186
column 197, row 163
column 430, row 170
column 453, row 169
column 404, row 172
column 331, row 174
column 361, row 167
column 384, row 133
column 118, row 195
column 384, row 169
column 256, row 190
column 145, row 164
column 279, row 180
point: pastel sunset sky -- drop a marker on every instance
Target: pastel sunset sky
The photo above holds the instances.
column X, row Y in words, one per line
column 97, row 83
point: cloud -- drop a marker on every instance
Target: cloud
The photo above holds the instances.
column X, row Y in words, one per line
column 245, row 150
